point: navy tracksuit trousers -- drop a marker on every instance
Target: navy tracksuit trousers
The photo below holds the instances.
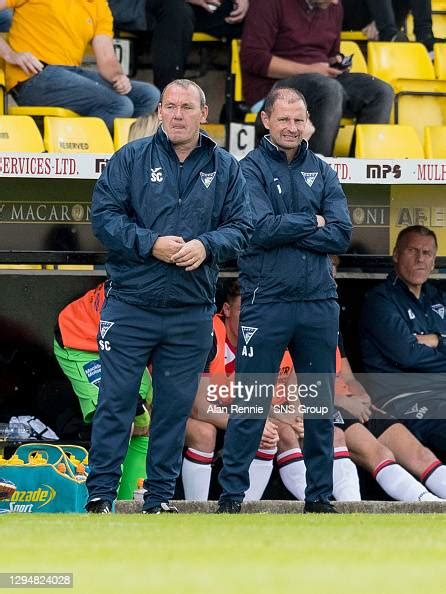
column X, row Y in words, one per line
column 310, row 330
column 176, row 341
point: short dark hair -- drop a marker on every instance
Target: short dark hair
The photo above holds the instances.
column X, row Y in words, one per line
column 185, row 83
column 282, row 92
column 231, row 290
column 420, row 230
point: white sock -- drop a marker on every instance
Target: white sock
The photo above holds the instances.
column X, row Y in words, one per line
column 196, row 474
column 292, row 472
column 434, row 478
column 259, row 474
column 399, row 484
column 345, row 477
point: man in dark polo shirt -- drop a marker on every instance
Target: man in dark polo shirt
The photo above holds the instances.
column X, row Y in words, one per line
column 297, row 42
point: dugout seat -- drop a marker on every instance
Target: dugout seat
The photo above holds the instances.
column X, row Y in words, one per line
column 121, row 129
column 435, row 142
column 19, row 134
column 77, row 135
column 387, row 141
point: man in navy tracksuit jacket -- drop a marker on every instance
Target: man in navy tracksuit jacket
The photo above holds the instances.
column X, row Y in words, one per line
column 169, row 209
column 403, row 334
column 288, row 291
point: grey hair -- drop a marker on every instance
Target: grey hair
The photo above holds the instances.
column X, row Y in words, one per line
column 186, row 83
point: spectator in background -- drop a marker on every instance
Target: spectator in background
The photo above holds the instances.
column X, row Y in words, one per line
column 5, row 20
column 47, row 42
column 384, row 20
column 297, row 43
column 173, row 22
column 146, row 125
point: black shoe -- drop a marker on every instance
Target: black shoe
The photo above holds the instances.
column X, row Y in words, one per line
column 400, row 36
column 163, row 508
column 319, row 507
column 228, row 506
column 98, row 506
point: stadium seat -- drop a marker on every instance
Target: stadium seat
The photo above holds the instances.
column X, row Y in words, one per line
column 387, row 141
column 359, row 64
column 77, row 135
column 420, row 110
column 435, row 142
column 236, row 74
column 41, row 111
column 439, row 25
column 353, row 36
column 199, row 37
column 440, row 60
column 395, row 62
column 121, row 131
column 3, row 104
column 19, row 134
column 344, row 141
column 217, row 132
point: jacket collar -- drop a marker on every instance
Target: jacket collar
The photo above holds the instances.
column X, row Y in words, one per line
column 396, row 281
column 279, row 155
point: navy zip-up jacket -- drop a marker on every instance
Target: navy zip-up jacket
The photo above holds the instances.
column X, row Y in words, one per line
column 287, row 258
column 145, row 192
column 391, row 317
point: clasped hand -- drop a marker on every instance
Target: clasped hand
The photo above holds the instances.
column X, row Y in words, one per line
column 174, row 250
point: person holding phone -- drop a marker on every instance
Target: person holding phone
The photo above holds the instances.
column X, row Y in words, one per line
column 297, row 43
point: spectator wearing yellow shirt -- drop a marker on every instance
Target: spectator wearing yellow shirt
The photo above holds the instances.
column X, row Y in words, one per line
column 47, row 41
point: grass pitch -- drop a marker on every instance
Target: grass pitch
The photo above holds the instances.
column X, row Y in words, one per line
column 245, row 554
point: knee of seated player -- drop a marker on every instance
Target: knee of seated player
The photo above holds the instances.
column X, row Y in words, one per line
column 365, row 449
column 200, row 435
column 287, row 437
column 339, row 438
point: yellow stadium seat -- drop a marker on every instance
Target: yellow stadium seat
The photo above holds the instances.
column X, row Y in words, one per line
column 359, row 64
column 438, row 5
column 41, row 111
column 236, row 71
column 435, row 142
column 199, row 37
column 440, row 60
column 3, row 104
column 395, row 61
column 420, row 111
column 77, row 135
column 19, row 134
column 344, row 141
column 439, row 25
column 353, row 36
column 236, row 74
column 387, row 141
column 121, row 131
column 217, row 132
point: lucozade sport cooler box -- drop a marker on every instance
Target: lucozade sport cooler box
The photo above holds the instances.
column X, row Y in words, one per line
column 46, row 479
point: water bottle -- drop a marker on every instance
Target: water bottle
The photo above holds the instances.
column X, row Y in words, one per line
column 80, row 475
column 138, row 493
